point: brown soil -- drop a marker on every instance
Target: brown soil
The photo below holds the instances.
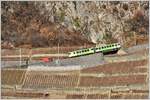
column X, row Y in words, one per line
column 37, row 80
column 23, row 94
column 121, row 67
column 112, row 80
column 12, row 77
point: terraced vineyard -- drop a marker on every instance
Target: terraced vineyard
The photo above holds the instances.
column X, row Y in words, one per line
column 88, row 96
column 119, row 67
column 12, row 76
column 114, row 74
column 126, row 79
column 111, row 94
column 131, row 94
column 46, row 80
column 112, row 80
column 23, row 94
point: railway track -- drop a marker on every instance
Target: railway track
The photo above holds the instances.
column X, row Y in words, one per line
column 35, row 55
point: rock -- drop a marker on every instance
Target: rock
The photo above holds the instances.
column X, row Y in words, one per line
column 93, row 20
column 121, row 52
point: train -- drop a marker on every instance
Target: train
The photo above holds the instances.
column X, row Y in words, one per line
column 103, row 49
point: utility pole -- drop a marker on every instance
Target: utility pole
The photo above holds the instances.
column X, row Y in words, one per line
column 57, row 61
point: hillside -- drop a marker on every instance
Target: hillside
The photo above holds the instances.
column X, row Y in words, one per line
column 47, row 24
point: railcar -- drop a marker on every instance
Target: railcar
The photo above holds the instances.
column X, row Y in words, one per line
column 103, row 49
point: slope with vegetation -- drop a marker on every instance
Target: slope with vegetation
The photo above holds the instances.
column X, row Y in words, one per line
column 52, row 23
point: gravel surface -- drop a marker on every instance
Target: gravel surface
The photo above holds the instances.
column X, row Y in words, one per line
column 137, row 48
column 83, row 61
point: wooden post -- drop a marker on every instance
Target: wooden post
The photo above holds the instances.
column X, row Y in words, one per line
column 109, row 94
column 85, row 94
column 20, row 56
column 78, row 82
column 135, row 42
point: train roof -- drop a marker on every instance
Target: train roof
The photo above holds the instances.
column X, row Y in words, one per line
column 93, row 47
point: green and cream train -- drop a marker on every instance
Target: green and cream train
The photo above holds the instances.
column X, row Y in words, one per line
column 103, row 49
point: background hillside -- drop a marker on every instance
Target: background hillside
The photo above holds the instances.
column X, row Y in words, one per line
column 47, row 24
